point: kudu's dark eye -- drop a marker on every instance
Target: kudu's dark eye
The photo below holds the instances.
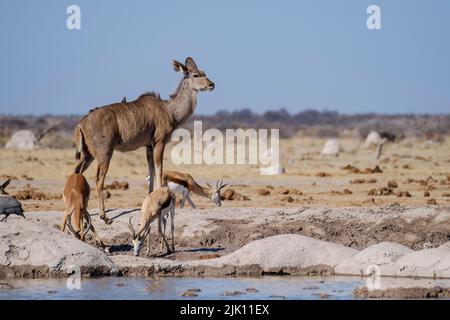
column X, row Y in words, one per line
column 195, row 75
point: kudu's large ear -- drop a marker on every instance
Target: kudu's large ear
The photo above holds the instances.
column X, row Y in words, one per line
column 179, row 67
column 190, row 64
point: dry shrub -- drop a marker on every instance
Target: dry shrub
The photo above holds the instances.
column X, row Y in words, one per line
column 323, row 174
column 263, row 192
column 392, row 184
column 380, row 192
column 116, row 185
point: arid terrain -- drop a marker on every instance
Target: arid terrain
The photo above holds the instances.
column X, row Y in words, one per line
column 352, row 201
column 417, row 171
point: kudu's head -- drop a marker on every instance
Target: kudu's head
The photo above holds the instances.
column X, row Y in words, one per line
column 136, row 238
column 215, row 194
column 3, row 187
column 196, row 78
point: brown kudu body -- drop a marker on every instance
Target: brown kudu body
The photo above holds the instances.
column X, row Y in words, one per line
column 145, row 122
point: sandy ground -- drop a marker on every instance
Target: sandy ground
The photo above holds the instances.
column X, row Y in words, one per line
column 310, row 180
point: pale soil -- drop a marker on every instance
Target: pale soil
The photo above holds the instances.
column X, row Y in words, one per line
column 46, row 170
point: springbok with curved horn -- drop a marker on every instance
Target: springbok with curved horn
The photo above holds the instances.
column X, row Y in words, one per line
column 155, row 206
column 183, row 183
column 147, row 122
column 76, row 197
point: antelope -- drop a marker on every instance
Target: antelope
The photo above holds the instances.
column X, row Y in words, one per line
column 76, row 197
column 184, row 183
column 155, row 206
column 146, row 122
column 9, row 204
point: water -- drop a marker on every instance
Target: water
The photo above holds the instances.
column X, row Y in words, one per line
column 269, row 287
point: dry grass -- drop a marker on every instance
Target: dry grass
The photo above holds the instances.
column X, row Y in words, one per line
column 409, row 163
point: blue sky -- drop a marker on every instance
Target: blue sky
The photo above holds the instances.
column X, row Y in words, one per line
column 262, row 55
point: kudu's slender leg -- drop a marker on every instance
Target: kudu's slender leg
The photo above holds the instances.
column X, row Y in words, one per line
column 151, row 168
column 158, row 155
column 102, row 169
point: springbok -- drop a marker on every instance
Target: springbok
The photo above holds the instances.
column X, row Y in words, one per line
column 147, row 122
column 183, row 183
column 9, row 204
column 156, row 205
column 76, row 197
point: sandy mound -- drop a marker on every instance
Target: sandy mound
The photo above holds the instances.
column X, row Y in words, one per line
column 425, row 263
column 29, row 249
column 288, row 250
column 383, row 255
column 23, row 140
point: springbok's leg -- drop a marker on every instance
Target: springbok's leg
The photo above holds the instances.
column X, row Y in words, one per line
column 191, row 203
column 183, row 199
column 164, row 222
column 172, row 226
column 151, row 168
column 158, row 155
column 148, row 242
column 102, row 169
column 162, row 234
column 63, row 224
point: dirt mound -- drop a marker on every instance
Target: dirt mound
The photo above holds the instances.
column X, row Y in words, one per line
column 30, row 249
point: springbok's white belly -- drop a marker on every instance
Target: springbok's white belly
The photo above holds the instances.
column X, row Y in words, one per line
column 175, row 187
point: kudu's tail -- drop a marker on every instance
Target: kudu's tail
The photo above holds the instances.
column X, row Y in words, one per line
column 79, row 141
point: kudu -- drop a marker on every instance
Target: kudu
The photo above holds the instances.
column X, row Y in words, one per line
column 76, row 197
column 155, row 206
column 147, row 122
column 184, row 183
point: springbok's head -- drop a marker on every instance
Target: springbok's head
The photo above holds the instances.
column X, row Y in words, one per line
column 197, row 78
column 215, row 195
column 136, row 238
column 3, row 187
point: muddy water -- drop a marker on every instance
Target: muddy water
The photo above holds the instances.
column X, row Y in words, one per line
column 172, row 288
